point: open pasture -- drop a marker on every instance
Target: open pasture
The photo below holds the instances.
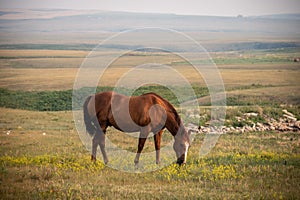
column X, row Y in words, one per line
column 42, row 157
column 63, row 78
column 38, row 70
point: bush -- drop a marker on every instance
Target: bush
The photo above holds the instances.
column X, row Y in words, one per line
column 62, row 100
column 42, row 101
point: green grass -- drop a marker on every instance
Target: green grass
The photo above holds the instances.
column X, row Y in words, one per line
column 251, row 60
column 62, row 100
column 238, row 104
column 242, row 60
column 42, row 101
column 57, row 165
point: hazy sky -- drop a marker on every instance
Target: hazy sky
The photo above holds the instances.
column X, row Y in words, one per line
column 188, row 7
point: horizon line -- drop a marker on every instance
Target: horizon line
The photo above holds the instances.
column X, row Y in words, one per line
column 143, row 12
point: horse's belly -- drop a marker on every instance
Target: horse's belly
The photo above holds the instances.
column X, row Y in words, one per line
column 125, row 125
column 128, row 119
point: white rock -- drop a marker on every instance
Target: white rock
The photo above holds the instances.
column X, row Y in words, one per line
column 205, row 130
column 259, row 124
column 288, row 113
column 297, row 124
column 290, row 117
column 251, row 114
column 238, row 119
column 248, row 128
column 243, row 129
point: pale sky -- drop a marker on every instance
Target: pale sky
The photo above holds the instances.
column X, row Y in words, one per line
column 186, row 7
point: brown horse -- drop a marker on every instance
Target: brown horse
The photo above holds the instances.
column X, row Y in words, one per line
column 146, row 113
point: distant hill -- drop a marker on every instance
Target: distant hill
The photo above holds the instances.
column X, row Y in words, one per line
column 280, row 16
column 73, row 27
column 70, row 20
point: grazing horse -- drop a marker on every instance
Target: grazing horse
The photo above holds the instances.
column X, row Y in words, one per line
column 146, row 113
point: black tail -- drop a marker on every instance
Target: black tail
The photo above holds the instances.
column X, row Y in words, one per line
column 90, row 122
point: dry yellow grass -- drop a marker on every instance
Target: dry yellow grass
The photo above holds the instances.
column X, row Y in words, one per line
column 287, row 94
column 264, row 77
column 56, row 69
column 37, row 79
column 41, row 53
column 63, row 78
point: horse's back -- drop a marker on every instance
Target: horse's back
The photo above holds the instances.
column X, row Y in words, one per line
column 129, row 113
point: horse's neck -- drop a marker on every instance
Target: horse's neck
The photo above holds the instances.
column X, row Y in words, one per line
column 173, row 126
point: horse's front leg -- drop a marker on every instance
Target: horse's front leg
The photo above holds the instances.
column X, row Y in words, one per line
column 142, row 139
column 157, row 139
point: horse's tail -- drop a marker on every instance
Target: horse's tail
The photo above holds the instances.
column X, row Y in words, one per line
column 90, row 122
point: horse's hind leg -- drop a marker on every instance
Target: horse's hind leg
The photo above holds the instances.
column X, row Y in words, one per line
column 95, row 142
column 102, row 147
column 142, row 139
column 99, row 139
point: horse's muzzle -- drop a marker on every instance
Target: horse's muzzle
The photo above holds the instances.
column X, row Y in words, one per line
column 180, row 161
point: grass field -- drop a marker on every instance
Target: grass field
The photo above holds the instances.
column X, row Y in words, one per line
column 41, row 70
column 42, row 157
column 34, row 165
column 257, row 156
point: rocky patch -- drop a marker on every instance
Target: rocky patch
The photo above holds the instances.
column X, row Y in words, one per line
column 288, row 122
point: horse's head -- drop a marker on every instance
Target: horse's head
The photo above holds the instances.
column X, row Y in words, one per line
column 181, row 145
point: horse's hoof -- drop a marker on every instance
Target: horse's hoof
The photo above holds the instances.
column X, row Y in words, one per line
column 136, row 165
column 93, row 158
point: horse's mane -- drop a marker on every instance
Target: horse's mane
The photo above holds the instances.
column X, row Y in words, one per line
column 169, row 105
